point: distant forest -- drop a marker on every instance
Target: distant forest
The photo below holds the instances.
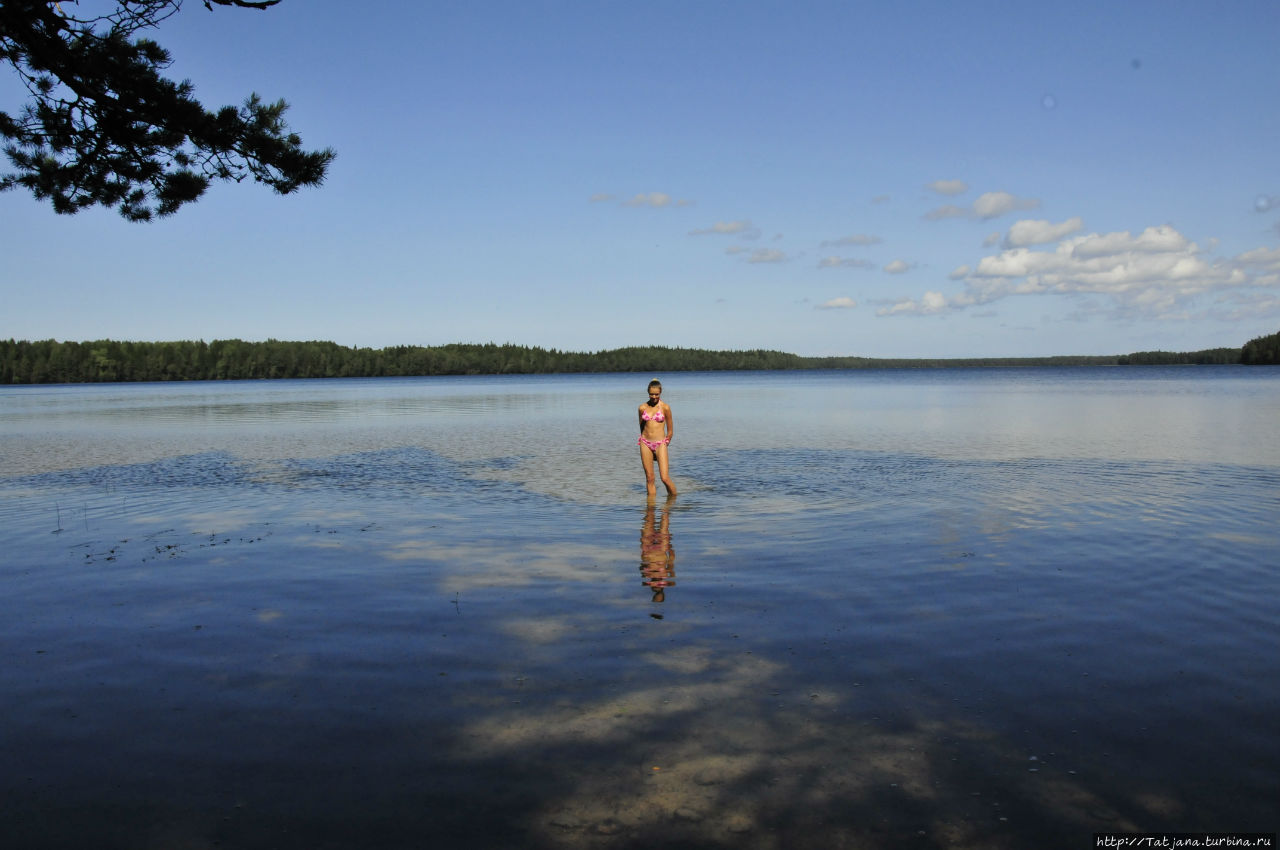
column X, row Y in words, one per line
column 53, row 362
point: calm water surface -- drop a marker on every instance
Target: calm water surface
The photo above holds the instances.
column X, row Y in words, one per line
column 956, row 608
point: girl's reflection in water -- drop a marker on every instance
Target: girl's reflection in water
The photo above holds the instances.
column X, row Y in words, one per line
column 657, row 555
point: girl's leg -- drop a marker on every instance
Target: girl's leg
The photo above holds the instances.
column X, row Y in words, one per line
column 646, row 460
column 662, row 469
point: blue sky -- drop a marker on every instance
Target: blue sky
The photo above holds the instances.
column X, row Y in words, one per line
column 914, row 179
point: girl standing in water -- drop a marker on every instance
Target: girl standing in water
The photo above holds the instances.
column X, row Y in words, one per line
column 657, row 427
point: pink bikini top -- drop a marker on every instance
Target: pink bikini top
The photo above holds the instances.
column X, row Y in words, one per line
column 657, row 417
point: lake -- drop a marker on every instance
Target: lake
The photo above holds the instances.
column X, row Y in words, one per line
column 934, row 608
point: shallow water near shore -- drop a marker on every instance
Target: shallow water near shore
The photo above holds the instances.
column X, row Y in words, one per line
column 969, row 608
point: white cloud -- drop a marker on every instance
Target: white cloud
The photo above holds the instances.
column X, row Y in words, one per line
column 728, row 228
column 898, row 267
column 854, row 240
column 845, row 262
column 1248, row 305
column 988, row 205
column 651, row 199
column 1038, row 232
column 657, row 200
column 949, row 187
column 1153, row 240
column 960, row 272
column 932, row 302
column 995, row 204
column 948, row 211
column 1262, row 264
column 1263, row 258
column 992, row 240
column 842, row 303
column 1157, row 274
column 767, row 255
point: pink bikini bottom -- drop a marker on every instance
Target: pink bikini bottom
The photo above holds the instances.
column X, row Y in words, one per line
column 653, row 445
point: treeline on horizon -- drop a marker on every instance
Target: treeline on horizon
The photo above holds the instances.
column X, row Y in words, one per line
column 105, row 361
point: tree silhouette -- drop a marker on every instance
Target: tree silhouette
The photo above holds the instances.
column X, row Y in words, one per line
column 1263, row 351
column 49, row 361
column 103, row 126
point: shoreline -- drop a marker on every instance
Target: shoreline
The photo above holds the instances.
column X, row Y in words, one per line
column 114, row 361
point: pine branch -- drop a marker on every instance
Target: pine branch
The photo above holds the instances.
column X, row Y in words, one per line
column 104, row 127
